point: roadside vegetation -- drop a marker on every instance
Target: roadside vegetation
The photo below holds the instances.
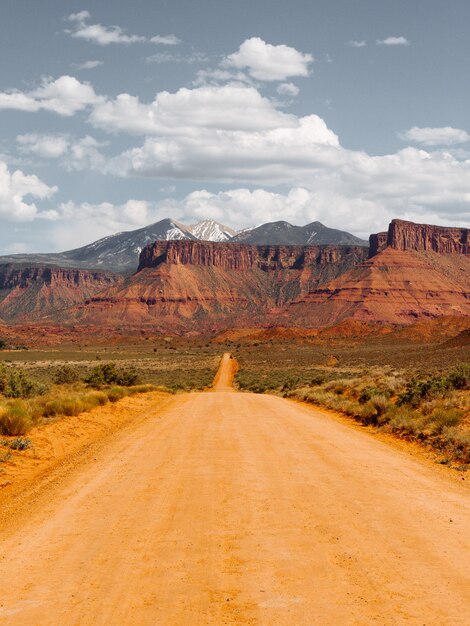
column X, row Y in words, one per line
column 430, row 407
column 36, row 392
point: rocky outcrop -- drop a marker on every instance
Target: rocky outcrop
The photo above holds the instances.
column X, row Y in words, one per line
column 28, row 292
column 408, row 236
column 199, row 285
column 12, row 276
column 242, row 257
column 394, row 286
column 377, row 243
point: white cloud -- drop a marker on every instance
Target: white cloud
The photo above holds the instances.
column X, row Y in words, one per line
column 266, row 62
column 89, row 65
column 46, row 146
column 74, row 154
column 444, row 136
column 66, row 95
column 393, row 41
column 288, row 89
column 362, row 43
column 220, row 76
column 189, row 113
column 106, row 35
column 73, row 229
column 165, row 40
column 14, row 188
column 79, row 17
column 168, row 57
column 232, row 134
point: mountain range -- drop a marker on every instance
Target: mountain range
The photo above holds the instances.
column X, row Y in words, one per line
column 120, row 252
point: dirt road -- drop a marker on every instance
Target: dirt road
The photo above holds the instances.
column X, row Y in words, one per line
column 234, row 508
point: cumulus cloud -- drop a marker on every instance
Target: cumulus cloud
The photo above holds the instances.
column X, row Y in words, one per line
column 393, row 41
column 74, row 154
column 362, row 43
column 266, row 62
column 188, row 113
column 65, row 95
column 288, row 89
column 232, row 134
column 443, row 136
column 106, row 35
column 15, row 191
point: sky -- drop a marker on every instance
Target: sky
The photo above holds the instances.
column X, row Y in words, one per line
column 114, row 115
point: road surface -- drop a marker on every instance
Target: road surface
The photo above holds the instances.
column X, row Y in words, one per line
column 233, row 508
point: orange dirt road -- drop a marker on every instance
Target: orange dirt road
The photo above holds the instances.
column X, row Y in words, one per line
column 233, row 508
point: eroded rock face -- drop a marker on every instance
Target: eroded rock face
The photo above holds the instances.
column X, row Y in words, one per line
column 377, row 243
column 394, row 286
column 408, row 236
column 36, row 291
column 242, row 257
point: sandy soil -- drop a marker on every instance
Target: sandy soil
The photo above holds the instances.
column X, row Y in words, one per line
column 230, row 508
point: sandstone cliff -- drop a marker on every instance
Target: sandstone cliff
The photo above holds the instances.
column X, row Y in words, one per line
column 394, row 286
column 33, row 292
column 408, row 236
column 196, row 285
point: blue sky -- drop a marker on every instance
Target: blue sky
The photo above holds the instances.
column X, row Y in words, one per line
column 116, row 114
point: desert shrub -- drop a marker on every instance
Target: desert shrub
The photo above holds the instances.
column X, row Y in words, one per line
column 459, row 377
column 367, row 393
column 15, row 383
column 116, row 393
column 418, row 390
column 97, row 398
column 66, row 374
column 20, row 443
column 3, row 344
column 15, row 419
column 145, row 389
column 440, row 419
column 336, row 386
column 109, row 374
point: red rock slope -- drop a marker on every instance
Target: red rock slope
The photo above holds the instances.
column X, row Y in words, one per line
column 33, row 292
column 189, row 285
column 422, row 272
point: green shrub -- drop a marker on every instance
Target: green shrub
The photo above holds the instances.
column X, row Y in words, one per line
column 15, row 383
column 66, row 374
column 116, row 393
column 459, row 377
column 109, row 374
column 20, row 443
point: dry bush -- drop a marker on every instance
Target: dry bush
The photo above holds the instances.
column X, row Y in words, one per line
column 15, row 419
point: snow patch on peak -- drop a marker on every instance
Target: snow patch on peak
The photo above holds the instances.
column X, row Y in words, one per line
column 209, row 230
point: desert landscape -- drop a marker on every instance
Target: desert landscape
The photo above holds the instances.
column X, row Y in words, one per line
column 234, row 314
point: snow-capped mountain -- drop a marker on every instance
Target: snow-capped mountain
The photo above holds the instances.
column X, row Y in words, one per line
column 120, row 252
column 208, row 230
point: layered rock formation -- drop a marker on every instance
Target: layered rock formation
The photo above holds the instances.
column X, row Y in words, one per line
column 412, row 272
column 394, row 286
column 405, row 236
column 245, row 257
column 33, row 292
column 195, row 285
